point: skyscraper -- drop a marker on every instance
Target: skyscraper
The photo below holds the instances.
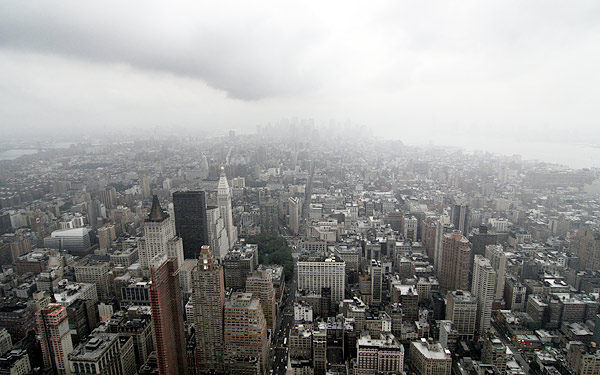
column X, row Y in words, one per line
column 167, row 316
column 462, row 310
column 484, row 289
column 190, row 221
column 294, row 207
column 159, row 237
column 217, row 235
column 455, row 261
column 245, row 335
column 460, row 216
column 224, row 203
column 208, row 296
column 259, row 283
column 55, row 337
column 376, row 281
column 497, row 257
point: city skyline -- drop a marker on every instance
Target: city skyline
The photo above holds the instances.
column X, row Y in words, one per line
column 464, row 72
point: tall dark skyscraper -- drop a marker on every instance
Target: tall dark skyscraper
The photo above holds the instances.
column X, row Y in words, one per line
column 461, row 216
column 191, row 221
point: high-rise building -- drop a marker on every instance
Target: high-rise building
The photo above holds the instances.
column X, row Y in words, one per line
column 429, row 358
column 224, row 203
column 482, row 238
column 159, row 237
column 461, row 309
column 106, row 235
column 294, row 210
column 208, row 297
column 245, row 335
column 145, row 186
column 455, row 262
column 484, row 289
column 409, row 227
column 238, row 264
column 217, row 235
column 586, row 245
column 55, row 337
column 497, row 257
column 259, row 283
column 167, row 316
column 191, row 222
column 460, row 216
column 376, row 281
column 326, row 272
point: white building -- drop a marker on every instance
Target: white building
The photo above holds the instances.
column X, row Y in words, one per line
column 224, row 203
column 428, row 358
column 497, row 257
column 294, row 207
column 159, row 237
column 322, row 272
column 484, row 289
column 217, row 234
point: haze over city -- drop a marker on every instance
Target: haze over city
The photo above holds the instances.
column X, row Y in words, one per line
column 311, row 188
column 420, row 72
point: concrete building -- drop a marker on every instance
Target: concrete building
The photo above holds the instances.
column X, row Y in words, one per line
column 484, row 289
column 497, row 258
column 494, row 353
column 238, row 264
column 15, row 362
column 429, row 358
column 455, row 262
column 245, row 335
column 208, row 298
column 106, row 235
column 159, row 238
column 460, row 216
column 376, row 273
column 224, row 203
column 104, row 353
column 94, row 269
column 260, row 285
column 77, row 239
column 55, row 338
column 322, row 272
column 137, row 324
column 294, row 211
column 167, row 316
column 379, row 356
column 461, row 309
column 218, row 239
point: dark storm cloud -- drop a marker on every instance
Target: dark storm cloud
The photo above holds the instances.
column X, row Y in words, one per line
column 251, row 56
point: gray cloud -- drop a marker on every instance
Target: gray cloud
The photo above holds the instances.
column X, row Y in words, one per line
column 252, row 56
column 417, row 70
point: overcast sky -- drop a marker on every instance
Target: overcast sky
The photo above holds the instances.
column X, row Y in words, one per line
column 409, row 69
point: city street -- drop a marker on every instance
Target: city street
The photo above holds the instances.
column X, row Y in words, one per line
column 285, row 323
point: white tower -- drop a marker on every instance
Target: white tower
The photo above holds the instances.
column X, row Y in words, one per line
column 159, row 237
column 224, row 203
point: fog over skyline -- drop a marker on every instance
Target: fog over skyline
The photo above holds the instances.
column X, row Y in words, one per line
column 415, row 71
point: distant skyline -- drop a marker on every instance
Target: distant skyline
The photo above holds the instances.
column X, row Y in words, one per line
column 504, row 72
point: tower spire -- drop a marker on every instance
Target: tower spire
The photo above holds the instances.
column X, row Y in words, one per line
column 156, row 212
